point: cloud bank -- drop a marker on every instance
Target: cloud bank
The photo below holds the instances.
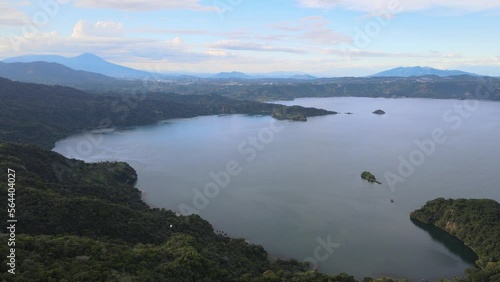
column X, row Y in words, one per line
column 406, row 5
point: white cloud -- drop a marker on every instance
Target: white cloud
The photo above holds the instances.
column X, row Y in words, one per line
column 358, row 53
column 115, row 48
column 156, row 30
column 324, row 4
column 140, row 5
column 217, row 53
column 314, row 30
column 406, row 5
column 175, row 55
column 244, row 34
column 97, row 29
column 252, row 46
column 486, row 61
column 11, row 16
column 177, row 41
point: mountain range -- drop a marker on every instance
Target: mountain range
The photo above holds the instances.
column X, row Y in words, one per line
column 94, row 64
column 233, row 74
column 420, row 71
column 84, row 62
column 51, row 74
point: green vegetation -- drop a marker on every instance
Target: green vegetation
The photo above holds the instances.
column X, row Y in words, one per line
column 86, row 222
column 295, row 113
column 476, row 223
column 41, row 114
column 369, row 177
column 454, row 87
column 451, row 87
column 383, row 279
column 89, row 224
column 52, row 74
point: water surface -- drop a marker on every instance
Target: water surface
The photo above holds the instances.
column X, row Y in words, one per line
column 302, row 187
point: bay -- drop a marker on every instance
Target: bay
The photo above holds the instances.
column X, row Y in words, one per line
column 298, row 190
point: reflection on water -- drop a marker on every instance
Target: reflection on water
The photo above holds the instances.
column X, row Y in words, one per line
column 305, row 185
column 453, row 244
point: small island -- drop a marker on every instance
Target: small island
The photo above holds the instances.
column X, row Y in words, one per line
column 369, row 177
column 297, row 113
column 379, row 112
column 282, row 115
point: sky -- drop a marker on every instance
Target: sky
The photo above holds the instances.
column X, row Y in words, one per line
column 318, row 37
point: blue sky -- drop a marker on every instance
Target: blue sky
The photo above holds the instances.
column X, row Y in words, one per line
column 319, row 37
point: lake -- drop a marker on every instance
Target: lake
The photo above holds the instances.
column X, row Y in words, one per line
column 295, row 187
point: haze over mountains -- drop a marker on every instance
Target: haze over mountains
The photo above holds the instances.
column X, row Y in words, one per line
column 84, row 62
column 50, row 73
column 91, row 63
column 233, row 74
column 42, row 114
column 224, row 140
column 420, row 71
column 400, row 82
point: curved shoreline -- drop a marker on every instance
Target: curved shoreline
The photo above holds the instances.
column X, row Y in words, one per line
column 459, row 218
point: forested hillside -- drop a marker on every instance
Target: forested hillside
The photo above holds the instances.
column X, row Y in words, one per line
column 86, row 222
column 91, row 225
column 41, row 114
column 476, row 223
column 453, row 87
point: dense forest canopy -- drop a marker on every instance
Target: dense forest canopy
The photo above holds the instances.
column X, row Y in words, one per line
column 476, row 222
column 91, row 225
column 87, row 222
column 41, row 114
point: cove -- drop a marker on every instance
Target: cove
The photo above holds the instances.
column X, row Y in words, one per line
column 299, row 194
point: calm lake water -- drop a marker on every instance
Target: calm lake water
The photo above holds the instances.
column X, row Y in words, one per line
column 298, row 189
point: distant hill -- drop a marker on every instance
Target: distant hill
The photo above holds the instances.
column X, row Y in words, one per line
column 303, row 76
column 85, row 62
column 42, row 114
column 420, row 71
column 50, row 73
column 87, row 222
column 233, row 74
